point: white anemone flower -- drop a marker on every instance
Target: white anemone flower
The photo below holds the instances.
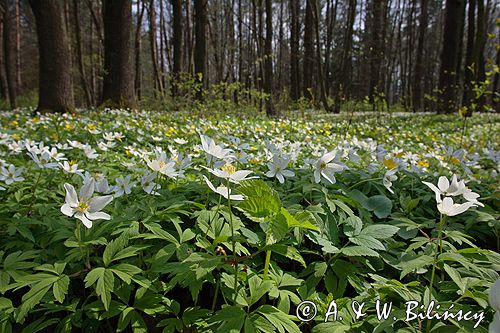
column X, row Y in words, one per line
column 494, row 295
column 214, row 150
column 455, row 188
column 70, row 167
column 85, row 208
column 123, row 186
column 389, row 177
column 10, row 174
column 277, row 168
column 89, row 152
column 326, row 168
column 224, row 191
column 43, row 161
column 148, row 184
column 448, row 207
column 2, row 188
column 229, row 172
column 162, row 165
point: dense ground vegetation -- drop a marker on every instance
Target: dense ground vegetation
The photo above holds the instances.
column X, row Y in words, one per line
column 149, row 221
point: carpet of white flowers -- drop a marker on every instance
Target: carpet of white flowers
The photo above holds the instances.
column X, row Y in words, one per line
column 166, row 222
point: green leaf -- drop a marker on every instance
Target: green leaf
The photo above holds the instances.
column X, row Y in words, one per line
column 359, row 251
column 367, row 241
column 380, row 231
column 380, row 205
column 277, row 229
column 232, row 319
column 60, row 288
column 105, row 283
column 414, row 264
column 278, row 319
column 261, row 201
column 352, row 226
column 288, row 251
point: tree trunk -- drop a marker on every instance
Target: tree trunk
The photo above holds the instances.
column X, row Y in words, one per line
column 118, row 89
column 345, row 62
column 55, row 85
column 4, row 94
column 177, row 43
column 376, row 48
column 454, row 20
column 18, row 48
column 308, row 51
column 319, row 62
column 419, row 61
column 200, row 52
column 294, row 50
column 478, row 54
column 154, row 48
column 9, row 51
column 138, row 50
column 268, row 82
column 469, row 69
column 79, row 55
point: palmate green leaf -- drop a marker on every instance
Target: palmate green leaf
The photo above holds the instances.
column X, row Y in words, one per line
column 232, row 319
column 359, row 251
column 288, row 251
column 105, row 283
column 276, row 229
column 33, row 297
column 280, row 320
column 368, row 241
column 261, row 201
column 417, row 263
column 352, row 226
column 380, row 205
column 380, row 231
column 258, row 288
column 60, row 288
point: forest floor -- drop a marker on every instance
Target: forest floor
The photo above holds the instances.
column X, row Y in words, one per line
column 148, row 220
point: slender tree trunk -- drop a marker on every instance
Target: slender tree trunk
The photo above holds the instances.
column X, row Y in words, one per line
column 419, row 61
column 345, row 62
column 177, row 44
column 376, row 49
column 154, row 47
column 55, row 85
column 469, row 56
column 294, row 50
column 138, row 50
column 79, row 55
column 9, row 50
column 18, row 48
column 4, row 94
column 449, row 56
column 162, row 45
column 308, row 51
column 478, row 53
column 319, row 61
column 118, row 88
column 268, row 82
column 331, row 22
column 200, row 52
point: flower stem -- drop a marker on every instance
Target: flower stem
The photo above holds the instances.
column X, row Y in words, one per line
column 233, row 243
column 266, row 265
column 79, row 240
column 438, row 252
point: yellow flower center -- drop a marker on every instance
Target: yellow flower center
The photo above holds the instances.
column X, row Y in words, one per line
column 82, row 206
column 161, row 164
column 229, row 168
column 322, row 165
column 72, row 162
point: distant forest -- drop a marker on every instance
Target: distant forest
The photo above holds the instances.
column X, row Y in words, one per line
column 420, row 55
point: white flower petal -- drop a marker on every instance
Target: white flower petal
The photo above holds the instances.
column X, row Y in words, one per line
column 443, row 184
column 98, row 203
column 98, row 216
column 71, row 197
column 494, row 295
column 87, row 190
column 86, row 222
column 67, row 210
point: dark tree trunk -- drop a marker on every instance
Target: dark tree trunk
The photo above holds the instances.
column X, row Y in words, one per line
column 268, row 82
column 177, row 43
column 419, row 61
column 200, row 52
column 478, row 54
column 118, row 88
column 79, row 55
column 9, row 51
column 154, row 48
column 342, row 92
column 55, row 85
column 294, row 50
column 308, row 51
column 454, row 21
column 469, row 69
column 376, row 48
column 138, row 50
column 319, row 62
column 4, row 94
